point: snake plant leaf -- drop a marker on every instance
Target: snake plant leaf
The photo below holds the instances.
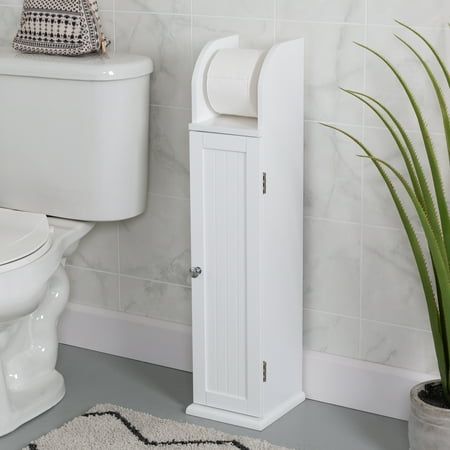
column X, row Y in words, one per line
column 431, row 154
column 441, row 266
column 429, row 204
column 428, row 198
column 398, row 141
column 437, row 89
column 441, row 345
column 431, row 47
column 438, row 256
column 431, row 212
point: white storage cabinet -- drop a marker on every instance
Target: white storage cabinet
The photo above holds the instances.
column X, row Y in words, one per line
column 247, row 227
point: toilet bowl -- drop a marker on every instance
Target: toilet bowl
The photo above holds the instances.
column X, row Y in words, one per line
column 34, row 290
column 73, row 151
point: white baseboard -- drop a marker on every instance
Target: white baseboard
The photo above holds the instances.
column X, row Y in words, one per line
column 360, row 385
column 145, row 339
column 332, row 379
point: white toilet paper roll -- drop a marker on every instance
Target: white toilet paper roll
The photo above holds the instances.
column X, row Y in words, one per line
column 232, row 81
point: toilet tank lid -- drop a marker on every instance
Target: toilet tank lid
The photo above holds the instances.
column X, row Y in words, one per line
column 93, row 67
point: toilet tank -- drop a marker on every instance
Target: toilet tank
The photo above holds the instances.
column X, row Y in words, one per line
column 74, row 135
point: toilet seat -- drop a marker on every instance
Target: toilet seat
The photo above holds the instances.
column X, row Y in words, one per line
column 21, row 234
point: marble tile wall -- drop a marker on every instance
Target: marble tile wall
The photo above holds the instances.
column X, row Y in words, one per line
column 362, row 295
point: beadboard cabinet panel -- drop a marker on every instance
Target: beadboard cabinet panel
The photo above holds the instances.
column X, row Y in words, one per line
column 225, row 219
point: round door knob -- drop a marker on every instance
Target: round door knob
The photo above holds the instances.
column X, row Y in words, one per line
column 195, row 272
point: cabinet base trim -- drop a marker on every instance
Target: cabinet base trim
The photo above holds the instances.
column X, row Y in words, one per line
column 243, row 420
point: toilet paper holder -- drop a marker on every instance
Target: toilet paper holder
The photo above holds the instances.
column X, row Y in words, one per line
column 246, row 203
column 280, row 81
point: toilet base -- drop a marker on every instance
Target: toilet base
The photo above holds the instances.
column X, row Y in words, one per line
column 47, row 391
column 32, row 299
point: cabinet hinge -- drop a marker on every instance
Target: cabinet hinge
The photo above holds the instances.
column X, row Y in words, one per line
column 264, row 183
column 264, row 371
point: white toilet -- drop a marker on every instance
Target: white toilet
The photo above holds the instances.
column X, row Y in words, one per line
column 73, row 151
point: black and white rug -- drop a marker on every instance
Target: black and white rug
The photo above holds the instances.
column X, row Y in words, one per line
column 115, row 428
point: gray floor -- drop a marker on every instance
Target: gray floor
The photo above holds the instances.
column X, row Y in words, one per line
column 93, row 378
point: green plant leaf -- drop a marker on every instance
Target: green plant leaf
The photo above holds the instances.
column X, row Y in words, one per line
column 439, row 263
column 428, row 204
column 438, row 91
column 433, row 50
column 400, row 145
column 433, row 311
column 435, row 171
column 427, row 198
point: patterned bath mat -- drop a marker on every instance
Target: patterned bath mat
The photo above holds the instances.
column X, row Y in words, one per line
column 110, row 427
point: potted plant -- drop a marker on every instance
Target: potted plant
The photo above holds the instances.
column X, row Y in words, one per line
column 429, row 424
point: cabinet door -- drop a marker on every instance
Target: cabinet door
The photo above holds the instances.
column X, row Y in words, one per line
column 225, row 190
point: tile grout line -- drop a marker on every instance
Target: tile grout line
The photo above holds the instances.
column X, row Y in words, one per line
column 114, row 25
column 348, row 222
column 311, row 22
column 173, row 197
column 360, row 24
column 367, row 126
column 329, row 313
column 326, row 219
column 249, row 18
column 275, row 21
column 117, row 225
column 118, row 266
column 183, row 108
column 188, row 14
column 191, row 47
column 152, row 13
column 107, row 272
column 362, row 234
column 133, row 314
column 380, row 322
